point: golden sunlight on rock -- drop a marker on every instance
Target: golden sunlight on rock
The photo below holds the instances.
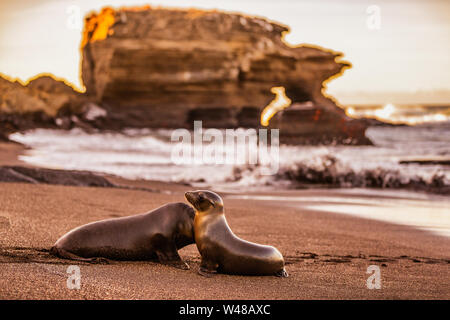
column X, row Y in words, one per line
column 97, row 27
column 280, row 102
column 386, row 112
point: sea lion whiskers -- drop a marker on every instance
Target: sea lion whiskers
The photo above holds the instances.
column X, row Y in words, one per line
column 205, row 201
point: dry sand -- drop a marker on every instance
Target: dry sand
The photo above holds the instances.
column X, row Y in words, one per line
column 327, row 254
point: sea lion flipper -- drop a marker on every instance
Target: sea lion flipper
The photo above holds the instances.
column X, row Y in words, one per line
column 207, row 269
column 282, row 273
column 206, row 273
column 179, row 264
column 100, row 260
column 176, row 263
column 169, row 256
column 59, row 252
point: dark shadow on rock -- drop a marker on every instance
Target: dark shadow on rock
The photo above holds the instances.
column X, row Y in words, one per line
column 50, row 176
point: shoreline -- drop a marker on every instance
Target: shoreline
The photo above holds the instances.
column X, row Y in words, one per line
column 326, row 253
column 319, row 170
column 334, row 201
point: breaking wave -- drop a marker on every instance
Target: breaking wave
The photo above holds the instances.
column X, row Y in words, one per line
column 415, row 158
column 328, row 171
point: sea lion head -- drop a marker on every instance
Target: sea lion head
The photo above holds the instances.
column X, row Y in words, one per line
column 205, row 201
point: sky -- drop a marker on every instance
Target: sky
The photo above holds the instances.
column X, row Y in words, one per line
column 393, row 45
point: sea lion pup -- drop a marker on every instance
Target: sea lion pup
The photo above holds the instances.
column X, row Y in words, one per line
column 221, row 250
column 157, row 234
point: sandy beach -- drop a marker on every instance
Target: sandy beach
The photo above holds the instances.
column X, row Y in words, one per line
column 327, row 254
column 324, row 129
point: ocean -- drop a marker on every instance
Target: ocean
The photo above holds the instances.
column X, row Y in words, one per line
column 402, row 157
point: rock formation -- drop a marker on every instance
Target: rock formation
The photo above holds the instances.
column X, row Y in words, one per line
column 44, row 102
column 165, row 68
column 305, row 123
column 51, row 176
column 43, row 94
column 26, row 107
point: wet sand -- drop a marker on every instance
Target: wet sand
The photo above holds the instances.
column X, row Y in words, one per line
column 9, row 153
column 327, row 254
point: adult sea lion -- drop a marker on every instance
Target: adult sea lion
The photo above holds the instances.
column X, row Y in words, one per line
column 221, row 250
column 157, row 234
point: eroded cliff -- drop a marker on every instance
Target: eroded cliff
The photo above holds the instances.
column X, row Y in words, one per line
column 165, row 68
column 40, row 103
